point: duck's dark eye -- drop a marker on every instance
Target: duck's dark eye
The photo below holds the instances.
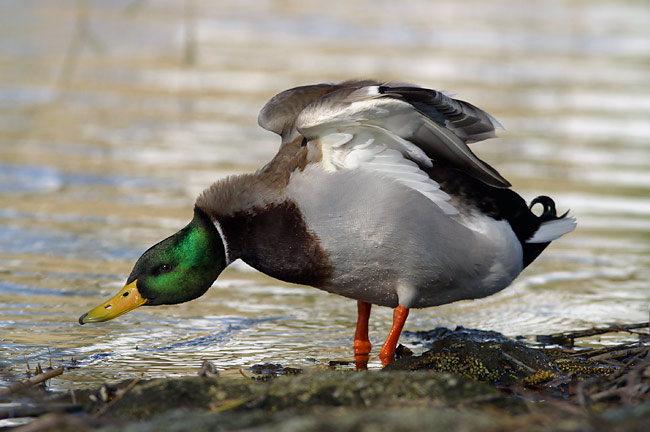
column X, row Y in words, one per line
column 164, row 268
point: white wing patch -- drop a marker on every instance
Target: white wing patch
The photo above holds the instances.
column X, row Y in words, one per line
column 378, row 150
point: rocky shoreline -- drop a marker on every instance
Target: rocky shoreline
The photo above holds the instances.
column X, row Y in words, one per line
column 467, row 381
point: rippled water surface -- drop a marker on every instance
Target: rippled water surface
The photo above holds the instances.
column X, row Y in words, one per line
column 115, row 115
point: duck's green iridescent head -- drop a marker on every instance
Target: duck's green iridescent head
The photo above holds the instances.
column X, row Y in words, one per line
column 178, row 269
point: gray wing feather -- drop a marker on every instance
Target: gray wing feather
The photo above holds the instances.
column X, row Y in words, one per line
column 439, row 125
column 279, row 114
column 445, row 128
column 441, row 143
column 466, row 121
column 436, row 123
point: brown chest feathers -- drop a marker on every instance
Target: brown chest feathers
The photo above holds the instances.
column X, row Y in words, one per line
column 276, row 241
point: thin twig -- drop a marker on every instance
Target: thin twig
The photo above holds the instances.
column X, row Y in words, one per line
column 562, row 337
column 36, row 411
column 601, row 351
column 624, row 368
column 481, row 399
column 52, row 422
column 118, row 397
column 518, row 362
column 31, row 381
column 73, row 395
column 228, row 405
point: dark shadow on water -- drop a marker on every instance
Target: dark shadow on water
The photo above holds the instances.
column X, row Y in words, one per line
column 219, row 337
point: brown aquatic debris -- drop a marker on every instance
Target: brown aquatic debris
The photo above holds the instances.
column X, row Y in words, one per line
column 567, row 338
column 119, row 396
column 31, row 381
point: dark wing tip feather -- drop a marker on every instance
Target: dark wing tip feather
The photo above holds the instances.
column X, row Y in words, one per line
column 468, row 122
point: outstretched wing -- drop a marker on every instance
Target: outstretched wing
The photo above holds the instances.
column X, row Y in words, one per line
column 436, row 124
column 395, row 130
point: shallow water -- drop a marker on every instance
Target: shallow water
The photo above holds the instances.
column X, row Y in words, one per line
column 113, row 118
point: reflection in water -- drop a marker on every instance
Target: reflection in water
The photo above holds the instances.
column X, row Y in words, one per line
column 95, row 169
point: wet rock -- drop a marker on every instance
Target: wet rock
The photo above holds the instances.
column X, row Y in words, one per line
column 322, row 420
column 153, row 397
column 299, row 392
column 312, row 401
column 368, row 389
column 430, row 337
column 318, row 401
column 272, row 370
column 477, row 355
column 439, row 390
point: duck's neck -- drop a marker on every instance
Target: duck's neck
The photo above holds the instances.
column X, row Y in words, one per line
column 260, row 226
column 231, row 204
column 246, row 193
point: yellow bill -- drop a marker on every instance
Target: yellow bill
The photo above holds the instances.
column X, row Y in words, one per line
column 127, row 299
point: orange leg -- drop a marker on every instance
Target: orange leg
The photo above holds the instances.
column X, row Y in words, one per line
column 387, row 353
column 362, row 345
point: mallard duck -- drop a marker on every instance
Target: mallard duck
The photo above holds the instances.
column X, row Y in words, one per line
column 374, row 195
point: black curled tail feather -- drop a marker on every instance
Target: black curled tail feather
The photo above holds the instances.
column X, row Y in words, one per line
column 549, row 212
column 549, row 207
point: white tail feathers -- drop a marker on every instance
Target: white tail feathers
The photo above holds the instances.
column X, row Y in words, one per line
column 553, row 229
